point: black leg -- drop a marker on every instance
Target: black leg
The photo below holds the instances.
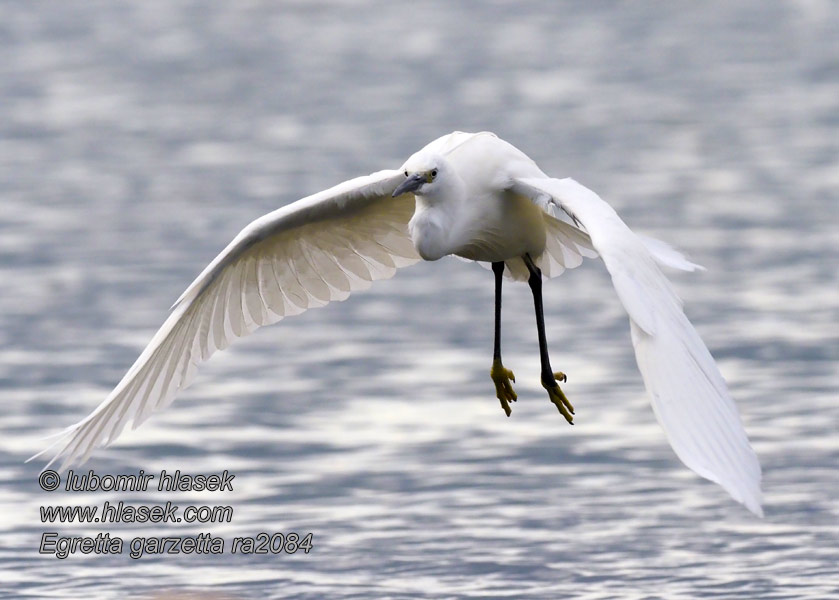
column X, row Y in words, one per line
column 500, row 376
column 498, row 269
column 548, row 377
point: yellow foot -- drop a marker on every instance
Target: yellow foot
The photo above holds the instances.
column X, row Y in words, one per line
column 557, row 396
column 503, row 388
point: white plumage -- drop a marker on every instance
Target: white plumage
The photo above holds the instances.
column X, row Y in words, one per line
column 471, row 195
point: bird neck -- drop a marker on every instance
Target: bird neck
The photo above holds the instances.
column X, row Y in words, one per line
column 435, row 220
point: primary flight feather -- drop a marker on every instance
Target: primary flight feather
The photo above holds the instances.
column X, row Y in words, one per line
column 469, row 195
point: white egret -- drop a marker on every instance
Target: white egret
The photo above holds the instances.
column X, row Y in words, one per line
column 473, row 196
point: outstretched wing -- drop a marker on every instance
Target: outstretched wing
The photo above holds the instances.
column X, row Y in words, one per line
column 689, row 396
column 301, row 256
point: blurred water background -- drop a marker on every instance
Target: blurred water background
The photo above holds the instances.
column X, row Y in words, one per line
column 137, row 138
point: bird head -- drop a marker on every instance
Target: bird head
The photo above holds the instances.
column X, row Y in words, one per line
column 423, row 175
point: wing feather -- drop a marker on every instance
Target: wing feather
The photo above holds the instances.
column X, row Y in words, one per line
column 304, row 255
column 689, row 395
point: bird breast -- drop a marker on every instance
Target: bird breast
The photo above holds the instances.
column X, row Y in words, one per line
column 502, row 226
column 489, row 227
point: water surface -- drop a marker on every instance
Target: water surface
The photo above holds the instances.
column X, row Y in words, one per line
column 136, row 139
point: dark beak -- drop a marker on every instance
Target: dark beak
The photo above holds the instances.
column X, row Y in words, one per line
column 411, row 184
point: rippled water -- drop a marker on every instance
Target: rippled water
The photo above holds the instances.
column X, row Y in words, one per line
column 137, row 138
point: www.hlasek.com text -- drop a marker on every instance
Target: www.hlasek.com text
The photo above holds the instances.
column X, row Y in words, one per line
column 119, row 512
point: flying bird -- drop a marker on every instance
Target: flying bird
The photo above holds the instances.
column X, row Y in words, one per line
column 470, row 195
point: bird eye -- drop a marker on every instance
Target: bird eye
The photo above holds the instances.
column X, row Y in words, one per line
column 433, row 173
column 406, row 173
